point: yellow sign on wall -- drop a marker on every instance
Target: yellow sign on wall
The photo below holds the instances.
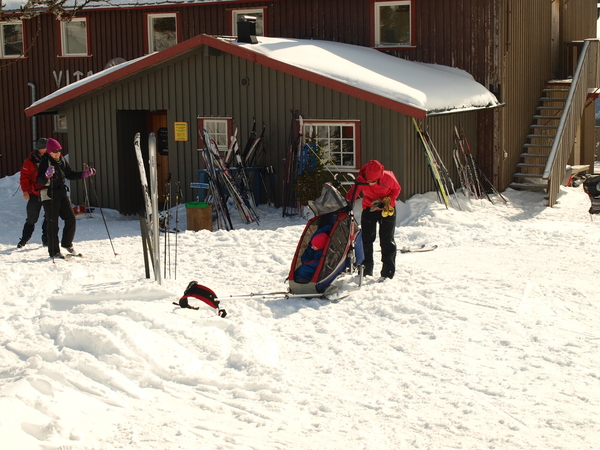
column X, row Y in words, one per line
column 181, row 131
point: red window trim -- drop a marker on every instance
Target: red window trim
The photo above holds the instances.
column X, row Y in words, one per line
column 25, row 43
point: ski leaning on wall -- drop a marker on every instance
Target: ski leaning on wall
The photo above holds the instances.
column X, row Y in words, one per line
column 222, row 183
column 434, row 167
column 471, row 176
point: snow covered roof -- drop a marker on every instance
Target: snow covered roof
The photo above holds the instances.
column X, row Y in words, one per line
column 412, row 88
column 428, row 87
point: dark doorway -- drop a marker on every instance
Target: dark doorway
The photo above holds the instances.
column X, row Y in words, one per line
column 129, row 123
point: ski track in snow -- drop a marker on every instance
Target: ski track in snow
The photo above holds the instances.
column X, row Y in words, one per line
column 490, row 341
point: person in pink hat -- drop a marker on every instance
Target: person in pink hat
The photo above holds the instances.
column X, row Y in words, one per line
column 379, row 189
column 53, row 171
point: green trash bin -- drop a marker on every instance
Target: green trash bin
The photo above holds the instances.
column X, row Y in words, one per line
column 199, row 216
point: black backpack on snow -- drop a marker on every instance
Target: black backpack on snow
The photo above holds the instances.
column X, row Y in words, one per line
column 592, row 186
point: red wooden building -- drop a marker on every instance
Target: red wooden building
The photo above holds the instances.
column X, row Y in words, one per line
column 511, row 47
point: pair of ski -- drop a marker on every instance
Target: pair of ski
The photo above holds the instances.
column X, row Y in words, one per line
column 469, row 171
column 221, row 181
column 291, row 206
column 247, row 156
column 243, row 160
column 149, row 221
column 441, row 177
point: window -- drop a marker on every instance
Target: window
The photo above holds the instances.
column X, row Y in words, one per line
column 339, row 141
column 162, row 31
column 393, row 24
column 220, row 130
column 74, row 37
column 60, row 123
column 260, row 20
column 11, row 39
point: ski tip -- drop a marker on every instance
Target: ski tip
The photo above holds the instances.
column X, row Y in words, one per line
column 421, row 248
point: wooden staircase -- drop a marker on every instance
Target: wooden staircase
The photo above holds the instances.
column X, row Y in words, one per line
column 541, row 137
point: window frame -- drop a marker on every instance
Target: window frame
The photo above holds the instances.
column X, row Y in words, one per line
column 60, row 123
column 375, row 11
column 62, row 38
column 234, row 12
column 149, row 44
column 356, row 126
column 23, row 54
column 223, row 150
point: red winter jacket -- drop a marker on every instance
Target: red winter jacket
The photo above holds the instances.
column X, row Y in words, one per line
column 386, row 186
column 29, row 173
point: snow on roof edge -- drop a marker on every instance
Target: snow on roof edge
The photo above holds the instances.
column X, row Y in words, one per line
column 433, row 89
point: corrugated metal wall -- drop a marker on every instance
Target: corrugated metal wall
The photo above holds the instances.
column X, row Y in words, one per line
column 527, row 65
column 579, row 19
column 580, row 23
column 204, row 84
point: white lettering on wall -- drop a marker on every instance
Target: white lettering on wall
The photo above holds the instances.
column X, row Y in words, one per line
column 77, row 75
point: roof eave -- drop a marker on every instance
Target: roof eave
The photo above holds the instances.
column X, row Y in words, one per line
column 461, row 110
column 242, row 52
column 115, row 75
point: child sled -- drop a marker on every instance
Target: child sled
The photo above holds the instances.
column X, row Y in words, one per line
column 342, row 253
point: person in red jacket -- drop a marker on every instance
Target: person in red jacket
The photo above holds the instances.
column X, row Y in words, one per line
column 31, row 193
column 379, row 189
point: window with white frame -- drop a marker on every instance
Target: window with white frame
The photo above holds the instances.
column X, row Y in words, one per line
column 162, row 31
column 11, row 39
column 220, row 131
column 74, row 37
column 338, row 141
column 393, row 27
column 259, row 13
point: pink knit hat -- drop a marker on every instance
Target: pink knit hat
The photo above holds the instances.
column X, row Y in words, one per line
column 319, row 240
column 52, row 145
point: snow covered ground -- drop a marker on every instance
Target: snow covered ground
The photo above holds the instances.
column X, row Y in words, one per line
column 489, row 342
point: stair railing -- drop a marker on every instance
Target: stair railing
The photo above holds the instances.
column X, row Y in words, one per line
column 586, row 76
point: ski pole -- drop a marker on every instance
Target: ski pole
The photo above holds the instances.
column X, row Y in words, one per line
column 86, row 200
column 93, row 185
column 166, row 218
column 178, row 195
